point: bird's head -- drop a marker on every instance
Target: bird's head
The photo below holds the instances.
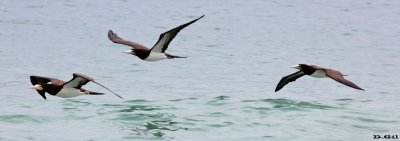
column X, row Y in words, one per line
column 38, row 87
column 299, row 66
column 132, row 52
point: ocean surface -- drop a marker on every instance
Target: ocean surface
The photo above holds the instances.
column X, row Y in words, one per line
column 223, row 91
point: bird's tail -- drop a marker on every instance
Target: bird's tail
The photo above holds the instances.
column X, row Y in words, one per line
column 95, row 93
column 173, row 56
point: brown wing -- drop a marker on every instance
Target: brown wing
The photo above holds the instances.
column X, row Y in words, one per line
column 316, row 67
column 337, row 76
column 114, row 38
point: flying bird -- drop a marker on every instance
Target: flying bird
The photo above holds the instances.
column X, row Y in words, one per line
column 59, row 88
column 157, row 52
column 317, row 72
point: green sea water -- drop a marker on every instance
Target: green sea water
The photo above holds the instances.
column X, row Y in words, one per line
column 224, row 90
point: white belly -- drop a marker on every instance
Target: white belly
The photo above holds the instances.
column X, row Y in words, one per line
column 319, row 74
column 154, row 56
column 67, row 92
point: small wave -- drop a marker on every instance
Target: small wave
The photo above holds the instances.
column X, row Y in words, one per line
column 75, row 102
column 215, row 114
column 369, row 120
column 24, row 119
column 144, row 124
column 137, row 101
column 144, row 118
column 133, row 108
column 288, row 104
column 374, row 129
column 222, row 97
column 257, row 108
column 218, row 101
column 344, row 99
column 193, row 98
column 328, row 122
column 195, row 120
column 223, row 124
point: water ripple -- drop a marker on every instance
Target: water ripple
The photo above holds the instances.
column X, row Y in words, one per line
column 288, row 104
column 144, row 118
column 363, row 119
column 218, row 101
column 21, row 119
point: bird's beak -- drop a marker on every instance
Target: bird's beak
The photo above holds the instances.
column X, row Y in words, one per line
column 296, row 67
column 37, row 87
column 129, row 52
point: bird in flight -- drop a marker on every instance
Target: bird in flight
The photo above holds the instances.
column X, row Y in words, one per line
column 59, row 88
column 157, row 52
column 317, row 72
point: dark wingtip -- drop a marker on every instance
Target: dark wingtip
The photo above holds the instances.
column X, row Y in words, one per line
column 109, row 32
column 278, row 87
column 112, row 36
column 43, row 95
column 199, row 17
column 358, row 88
column 83, row 76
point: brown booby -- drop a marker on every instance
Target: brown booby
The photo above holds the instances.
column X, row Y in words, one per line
column 317, row 72
column 59, row 88
column 157, row 52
